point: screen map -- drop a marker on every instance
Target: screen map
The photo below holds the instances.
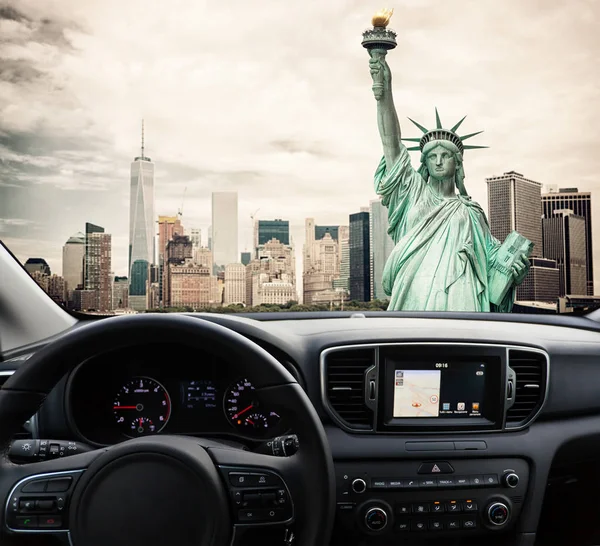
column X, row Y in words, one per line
column 417, row 393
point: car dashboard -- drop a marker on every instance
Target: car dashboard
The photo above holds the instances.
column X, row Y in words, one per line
column 443, row 430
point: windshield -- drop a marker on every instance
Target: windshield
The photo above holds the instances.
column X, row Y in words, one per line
column 266, row 156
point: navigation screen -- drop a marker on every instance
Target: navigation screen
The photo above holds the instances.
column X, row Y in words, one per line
column 439, row 389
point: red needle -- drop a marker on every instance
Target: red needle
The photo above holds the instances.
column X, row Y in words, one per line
column 243, row 411
column 250, row 421
column 124, row 407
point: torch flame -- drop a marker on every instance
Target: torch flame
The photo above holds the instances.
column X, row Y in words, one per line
column 382, row 18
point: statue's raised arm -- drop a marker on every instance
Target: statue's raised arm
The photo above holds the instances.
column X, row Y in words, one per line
column 387, row 118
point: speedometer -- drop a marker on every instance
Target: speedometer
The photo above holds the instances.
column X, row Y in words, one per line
column 244, row 411
column 142, row 406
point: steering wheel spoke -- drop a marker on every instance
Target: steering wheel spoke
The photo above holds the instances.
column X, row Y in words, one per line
column 40, row 493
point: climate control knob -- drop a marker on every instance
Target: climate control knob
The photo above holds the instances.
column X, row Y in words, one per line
column 359, row 485
column 498, row 514
column 510, row 479
column 376, row 519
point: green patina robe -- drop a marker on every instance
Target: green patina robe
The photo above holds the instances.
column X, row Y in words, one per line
column 444, row 247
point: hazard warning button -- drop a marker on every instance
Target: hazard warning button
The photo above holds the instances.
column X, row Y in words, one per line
column 436, row 468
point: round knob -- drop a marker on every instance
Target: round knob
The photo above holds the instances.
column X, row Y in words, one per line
column 511, row 480
column 359, row 485
column 376, row 519
column 498, row 513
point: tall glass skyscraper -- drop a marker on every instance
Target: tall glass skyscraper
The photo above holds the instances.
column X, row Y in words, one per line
column 141, row 211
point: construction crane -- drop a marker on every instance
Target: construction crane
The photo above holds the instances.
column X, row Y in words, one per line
column 180, row 211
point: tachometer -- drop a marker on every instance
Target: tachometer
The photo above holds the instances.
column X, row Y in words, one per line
column 244, row 411
column 142, row 406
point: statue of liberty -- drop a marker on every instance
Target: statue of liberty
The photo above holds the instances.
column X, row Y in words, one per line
column 445, row 256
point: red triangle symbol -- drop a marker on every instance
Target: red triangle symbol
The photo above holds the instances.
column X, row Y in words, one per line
column 435, row 468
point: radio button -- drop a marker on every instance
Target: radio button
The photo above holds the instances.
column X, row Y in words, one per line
column 446, row 482
column 428, row 483
column 411, row 484
column 477, row 481
column 453, row 524
column 378, row 483
column 396, row 484
column 435, row 468
column 437, row 507
column 461, row 481
column 491, row 479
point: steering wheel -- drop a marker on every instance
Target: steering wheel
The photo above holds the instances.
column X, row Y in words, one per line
column 159, row 490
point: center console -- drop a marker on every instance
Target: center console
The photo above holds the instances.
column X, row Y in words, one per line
column 430, row 498
column 442, row 396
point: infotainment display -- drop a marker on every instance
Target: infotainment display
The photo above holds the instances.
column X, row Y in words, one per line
column 452, row 389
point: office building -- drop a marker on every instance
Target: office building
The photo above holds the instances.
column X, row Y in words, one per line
column 342, row 282
column 141, row 220
column 581, row 205
column 381, row 247
column 245, row 257
column 224, row 239
column 73, row 255
column 542, row 284
column 234, row 284
column 565, row 242
column 97, row 266
column 360, row 252
column 40, row 265
column 273, row 229
column 515, row 204
column 120, row 293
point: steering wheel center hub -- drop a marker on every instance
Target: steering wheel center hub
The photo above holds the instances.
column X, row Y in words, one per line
column 151, row 492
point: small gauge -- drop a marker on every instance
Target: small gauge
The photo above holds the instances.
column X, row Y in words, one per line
column 142, row 406
column 256, row 421
column 141, row 426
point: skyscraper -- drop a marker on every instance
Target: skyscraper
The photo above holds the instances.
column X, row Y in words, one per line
column 225, row 228
column 235, row 284
column 37, row 264
column 360, row 252
column 342, row 283
column 72, row 262
column 273, row 229
column 564, row 241
column 141, row 212
column 581, row 205
column 168, row 227
column 98, row 266
column 515, row 203
column 381, row 247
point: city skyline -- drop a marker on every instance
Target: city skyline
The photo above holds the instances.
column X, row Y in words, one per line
column 303, row 144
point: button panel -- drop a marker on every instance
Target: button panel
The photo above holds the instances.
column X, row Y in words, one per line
column 40, row 503
column 455, row 482
column 257, row 496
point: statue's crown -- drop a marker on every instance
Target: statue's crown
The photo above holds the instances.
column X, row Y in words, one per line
column 439, row 133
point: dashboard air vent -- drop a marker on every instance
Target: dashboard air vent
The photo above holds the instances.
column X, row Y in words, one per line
column 531, row 369
column 345, row 386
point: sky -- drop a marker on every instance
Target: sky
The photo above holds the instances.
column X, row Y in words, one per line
column 273, row 100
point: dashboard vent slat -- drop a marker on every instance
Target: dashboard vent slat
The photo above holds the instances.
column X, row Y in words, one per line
column 344, row 376
column 531, row 370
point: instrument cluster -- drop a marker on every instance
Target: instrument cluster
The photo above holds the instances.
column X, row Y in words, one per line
column 117, row 396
